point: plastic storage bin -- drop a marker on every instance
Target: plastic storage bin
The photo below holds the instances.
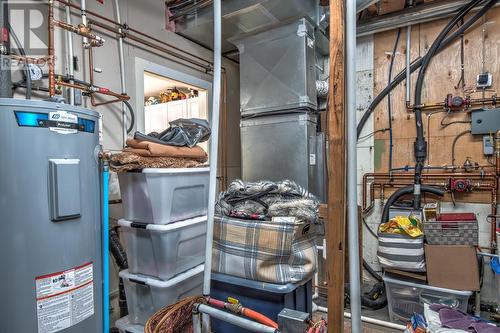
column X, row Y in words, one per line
column 163, row 196
column 163, row 251
column 146, row 295
column 125, row 326
column 266, row 298
column 405, row 298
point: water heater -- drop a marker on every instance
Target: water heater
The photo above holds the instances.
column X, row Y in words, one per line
column 50, row 242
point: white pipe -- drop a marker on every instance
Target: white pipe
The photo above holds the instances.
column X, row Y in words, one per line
column 352, row 183
column 214, row 145
column 408, row 63
column 196, row 322
column 83, row 6
column 235, row 320
column 69, row 45
column 122, row 72
column 364, row 319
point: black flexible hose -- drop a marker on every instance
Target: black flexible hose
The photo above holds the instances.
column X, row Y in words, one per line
column 27, row 75
column 116, row 249
column 417, row 63
column 404, row 191
column 420, row 144
column 132, row 116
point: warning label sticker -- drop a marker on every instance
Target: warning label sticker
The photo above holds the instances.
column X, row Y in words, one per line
column 64, row 299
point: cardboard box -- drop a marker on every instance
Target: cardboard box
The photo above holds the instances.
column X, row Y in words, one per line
column 452, row 267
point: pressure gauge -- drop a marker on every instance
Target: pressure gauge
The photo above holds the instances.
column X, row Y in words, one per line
column 35, row 72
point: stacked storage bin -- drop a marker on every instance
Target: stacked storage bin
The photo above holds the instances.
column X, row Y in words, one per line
column 164, row 232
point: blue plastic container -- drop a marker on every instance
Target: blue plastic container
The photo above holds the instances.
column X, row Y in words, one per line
column 266, row 298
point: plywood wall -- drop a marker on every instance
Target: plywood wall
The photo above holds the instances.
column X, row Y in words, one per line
column 441, row 78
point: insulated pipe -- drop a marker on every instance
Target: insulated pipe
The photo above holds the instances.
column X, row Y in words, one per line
column 122, row 71
column 352, row 193
column 214, row 145
column 105, row 247
column 196, row 322
column 52, row 79
column 231, row 318
column 69, row 44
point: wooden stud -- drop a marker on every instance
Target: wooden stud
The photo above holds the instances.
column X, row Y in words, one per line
column 335, row 225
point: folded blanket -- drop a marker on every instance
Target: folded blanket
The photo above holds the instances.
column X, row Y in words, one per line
column 127, row 161
column 152, row 149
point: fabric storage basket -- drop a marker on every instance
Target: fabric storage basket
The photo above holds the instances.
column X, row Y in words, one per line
column 400, row 251
column 453, row 229
column 163, row 251
column 405, row 298
column 146, row 295
column 163, row 196
column 280, row 251
column 125, row 326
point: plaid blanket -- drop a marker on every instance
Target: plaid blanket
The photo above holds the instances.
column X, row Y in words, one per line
column 283, row 252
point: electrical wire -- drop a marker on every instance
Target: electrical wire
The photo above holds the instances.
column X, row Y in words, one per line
column 370, row 230
column 459, row 135
column 369, row 135
column 389, row 108
column 444, row 125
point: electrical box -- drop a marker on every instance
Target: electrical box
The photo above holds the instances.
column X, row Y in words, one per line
column 485, row 121
column 488, row 145
column 292, row 321
column 484, row 80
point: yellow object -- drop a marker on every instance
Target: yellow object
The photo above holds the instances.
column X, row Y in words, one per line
column 233, row 300
column 403, row 225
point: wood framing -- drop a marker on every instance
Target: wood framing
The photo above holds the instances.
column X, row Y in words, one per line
column 336, row 221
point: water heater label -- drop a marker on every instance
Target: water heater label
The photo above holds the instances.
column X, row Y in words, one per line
column 64, row 299
column 63, row 122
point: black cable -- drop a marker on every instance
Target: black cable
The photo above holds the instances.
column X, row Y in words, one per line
column 417, row 63
column 420, row 144
column 369, row 229
column 444, row 125
column 389, row 108
column 27, row 75
column 132, row 116
column 455, row 143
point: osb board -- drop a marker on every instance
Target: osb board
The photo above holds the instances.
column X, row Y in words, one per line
column 441, row 78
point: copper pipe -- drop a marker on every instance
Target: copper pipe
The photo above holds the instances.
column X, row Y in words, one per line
column 206, row 68
column 471, row 103
column 125, row 27
column 81, row 30
column 52, row 80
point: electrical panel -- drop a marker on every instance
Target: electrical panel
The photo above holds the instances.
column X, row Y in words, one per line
column 485, row 121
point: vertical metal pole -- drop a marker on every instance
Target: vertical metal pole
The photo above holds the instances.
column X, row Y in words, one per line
column 408, row 64
column 214, row 145
column 105, row 248
column 352, row 197
column 69, row 45
column 122, row 72
column 83, row 7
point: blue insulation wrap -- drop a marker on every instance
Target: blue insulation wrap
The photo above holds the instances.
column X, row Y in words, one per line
column 105, row 248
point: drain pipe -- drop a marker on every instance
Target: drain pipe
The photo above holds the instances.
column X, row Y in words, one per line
column 69, row 44
column 352, row 193
column 5, row 74
column 214, row 145
column 122, row 71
